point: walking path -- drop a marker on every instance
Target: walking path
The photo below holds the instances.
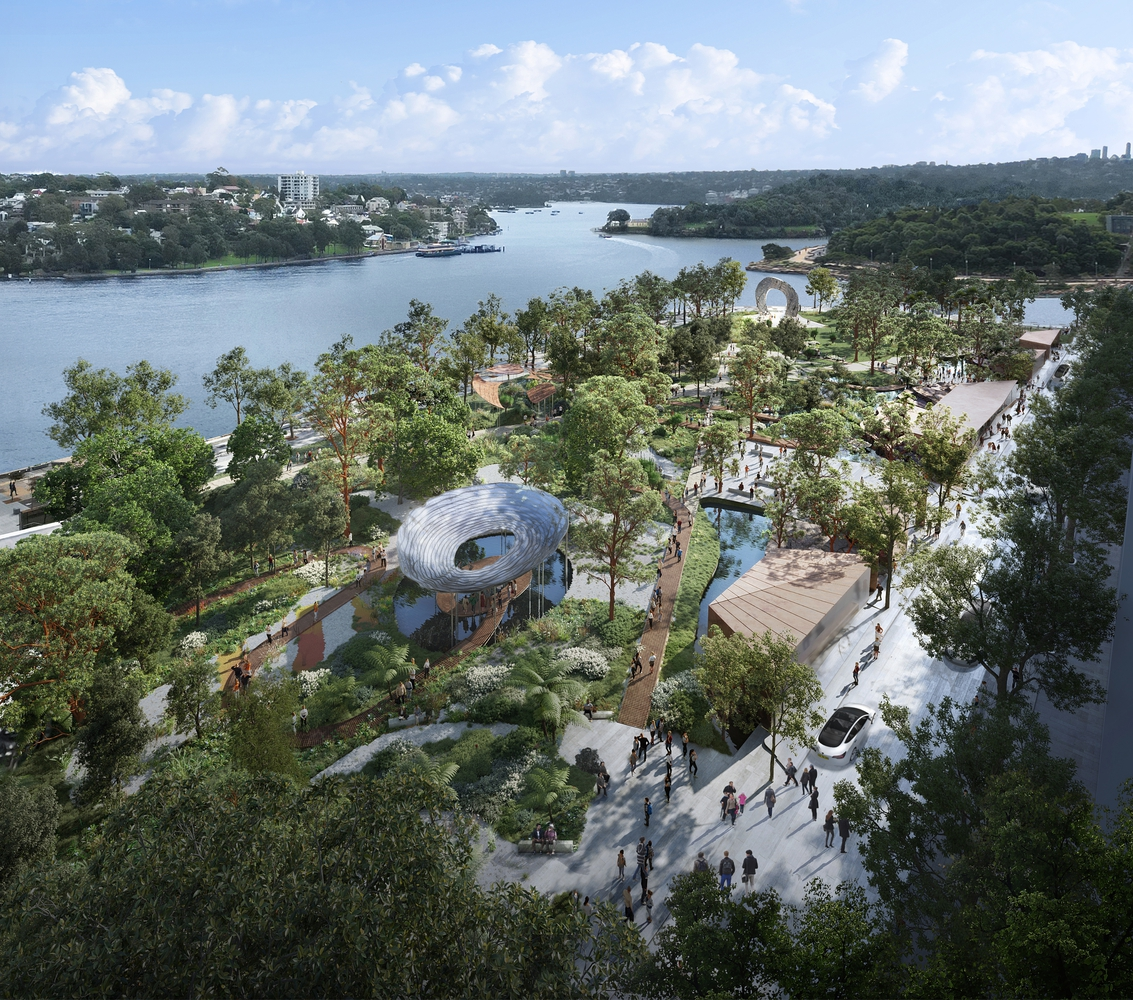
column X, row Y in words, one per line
column 639, row 692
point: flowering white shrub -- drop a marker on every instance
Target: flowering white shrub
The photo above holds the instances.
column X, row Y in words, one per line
column 587, row 663
column 381, row 638
column 483, row 679
column 312, row 573
column 309, row 680
column 684, row 681
column 488, row 796
column 194, row 642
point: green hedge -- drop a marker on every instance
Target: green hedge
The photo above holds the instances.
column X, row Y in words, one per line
column 701, row 560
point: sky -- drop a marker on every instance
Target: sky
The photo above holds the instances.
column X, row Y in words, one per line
column 342, row 86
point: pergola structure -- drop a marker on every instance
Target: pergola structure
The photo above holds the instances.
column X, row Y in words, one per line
column 428, row 539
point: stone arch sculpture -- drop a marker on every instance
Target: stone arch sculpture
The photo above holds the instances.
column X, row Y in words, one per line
column 766, row 285
column 430, row 535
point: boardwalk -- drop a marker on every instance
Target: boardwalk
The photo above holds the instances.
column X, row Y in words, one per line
column 639, row 693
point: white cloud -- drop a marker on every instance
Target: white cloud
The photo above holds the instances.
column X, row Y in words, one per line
column 527, row 107
column 1053, row 101
column 485, row 50
column 881, row 73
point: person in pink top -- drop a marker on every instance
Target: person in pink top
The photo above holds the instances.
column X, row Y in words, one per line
column 742, row 801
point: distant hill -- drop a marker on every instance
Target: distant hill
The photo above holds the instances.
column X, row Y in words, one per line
column 1067, row 177
column 990, row 238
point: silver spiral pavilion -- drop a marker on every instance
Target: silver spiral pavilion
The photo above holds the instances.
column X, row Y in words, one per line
column 429, row 537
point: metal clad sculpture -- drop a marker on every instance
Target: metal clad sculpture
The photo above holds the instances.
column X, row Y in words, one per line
column 429, row 537
column 766, row 285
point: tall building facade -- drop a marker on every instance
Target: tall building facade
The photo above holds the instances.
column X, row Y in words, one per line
column 299, row 188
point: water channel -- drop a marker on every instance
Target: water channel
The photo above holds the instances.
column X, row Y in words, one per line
column 742, row 545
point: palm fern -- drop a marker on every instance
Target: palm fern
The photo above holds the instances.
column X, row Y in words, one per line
column 388, row 664
column 548, row 788
column 429, row 770
column 550, row 690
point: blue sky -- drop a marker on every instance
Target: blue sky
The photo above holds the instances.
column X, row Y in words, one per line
column 338, row 86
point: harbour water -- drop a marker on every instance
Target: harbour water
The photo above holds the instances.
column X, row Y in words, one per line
column 184, row 322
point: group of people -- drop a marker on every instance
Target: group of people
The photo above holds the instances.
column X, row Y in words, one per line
column 637, row 665
column 543, row 841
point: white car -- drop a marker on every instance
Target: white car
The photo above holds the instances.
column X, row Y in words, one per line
column 845, row 731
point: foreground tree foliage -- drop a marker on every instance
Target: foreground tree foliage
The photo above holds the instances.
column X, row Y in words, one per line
column 731, row 943
column 353, row 888
column 64, row 607
column 988, row 854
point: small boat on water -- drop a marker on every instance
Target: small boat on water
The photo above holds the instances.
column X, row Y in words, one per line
column 439, row 250
column 480, row 248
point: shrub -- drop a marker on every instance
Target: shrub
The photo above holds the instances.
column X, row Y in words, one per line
column 389, row 758
column 669, row 691
column 490, row 795
column 587, row 760
column 194, row 642
column 587, row 663
column 519, row 741
column 483, row 679
column 624, row 629
column 500, row 706
column 310, row 680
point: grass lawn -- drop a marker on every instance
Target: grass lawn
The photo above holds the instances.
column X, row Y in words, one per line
column 1089, row 218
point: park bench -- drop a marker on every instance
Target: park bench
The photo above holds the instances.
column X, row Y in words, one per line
column 560, row 847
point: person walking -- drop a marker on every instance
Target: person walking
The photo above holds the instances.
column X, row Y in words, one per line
column 602, row 771
column 642, row 858
column 649, row 906
column 857, row 670
column 650, row 619
column 601, row 784
column 844, row 831
column 701, row 863
column 632, row 761
column 692, row 763
column 790, row 770
column 668, row 787
column 669, row 768
column 805, row 780
column 622, row 864
column 727, row 870
column 733, row 808
column 652, row 661
column 644, row 744
column 742, row 800
column 749, row 868
column 814, row 805
column 627, row 901
column 684, row 744
column 828, row 827
column 669, row 743
column 649, row 853
column 648, row 810
column 813, row 777
column 769, row 801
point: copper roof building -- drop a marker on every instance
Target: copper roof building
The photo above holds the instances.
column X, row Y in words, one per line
column 807, row 593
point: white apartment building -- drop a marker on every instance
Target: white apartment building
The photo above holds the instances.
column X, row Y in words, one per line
column 299, row 189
